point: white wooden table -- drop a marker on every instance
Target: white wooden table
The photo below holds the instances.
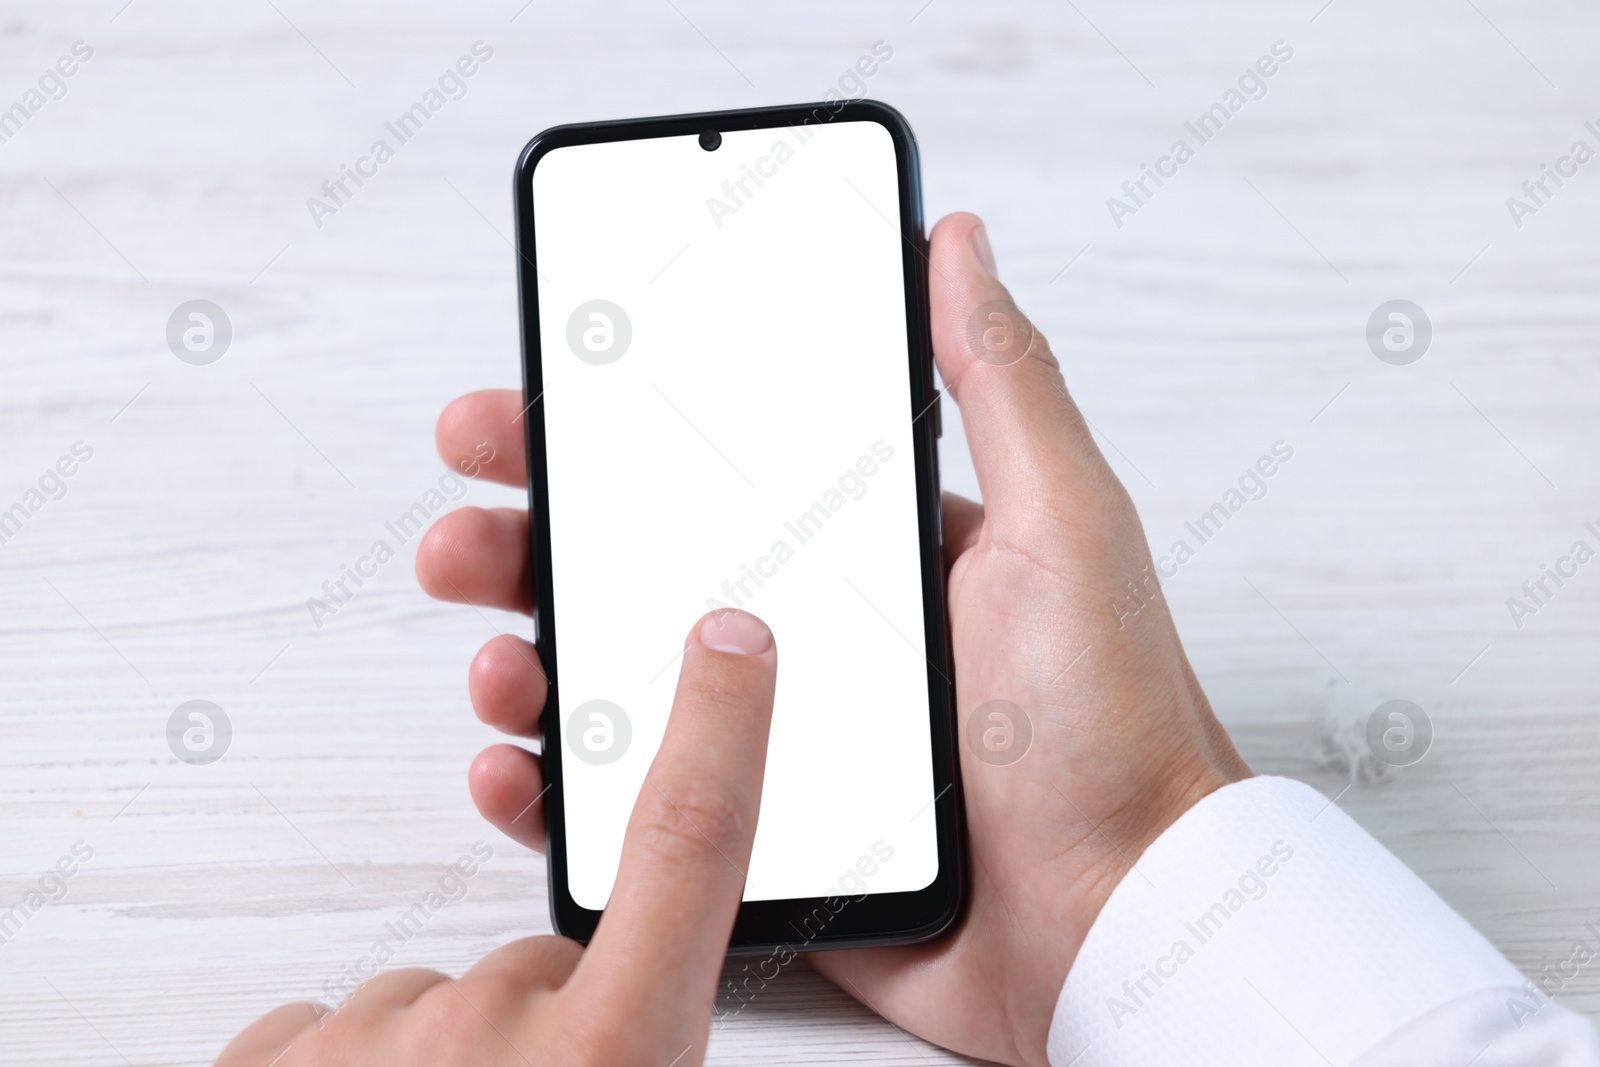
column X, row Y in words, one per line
column 1228, row 312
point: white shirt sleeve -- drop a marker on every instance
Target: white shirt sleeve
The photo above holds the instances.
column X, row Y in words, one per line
column 1265, row 927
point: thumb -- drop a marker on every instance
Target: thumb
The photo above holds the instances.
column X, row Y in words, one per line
column 658, row 950
column 1032, row 449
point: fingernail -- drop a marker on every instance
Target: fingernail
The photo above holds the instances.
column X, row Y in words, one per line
column 735, row 631
column 985, row 254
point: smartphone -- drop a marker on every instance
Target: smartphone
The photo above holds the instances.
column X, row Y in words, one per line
column 730, row 403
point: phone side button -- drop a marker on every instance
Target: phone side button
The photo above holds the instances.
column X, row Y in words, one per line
column 938, row 414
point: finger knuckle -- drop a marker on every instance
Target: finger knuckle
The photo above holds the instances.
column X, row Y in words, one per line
column 1041, row 351
column 444, row 1009
column 545, row 962
column 591, row 1042
column 452, row 1016
column 391, row 984
column 692, row 818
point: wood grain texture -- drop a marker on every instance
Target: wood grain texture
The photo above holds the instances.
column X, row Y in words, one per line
column 1226, row 314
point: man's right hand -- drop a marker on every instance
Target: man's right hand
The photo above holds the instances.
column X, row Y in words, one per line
column 1123, row 740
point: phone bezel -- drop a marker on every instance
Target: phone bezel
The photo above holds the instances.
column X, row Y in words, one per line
column 767, row 925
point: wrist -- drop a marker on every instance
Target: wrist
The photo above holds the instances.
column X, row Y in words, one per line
column 1108, row 856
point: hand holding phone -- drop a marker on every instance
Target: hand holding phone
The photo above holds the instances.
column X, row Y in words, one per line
column 1122, row 740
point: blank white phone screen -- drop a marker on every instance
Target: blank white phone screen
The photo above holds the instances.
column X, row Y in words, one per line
column 728, row 424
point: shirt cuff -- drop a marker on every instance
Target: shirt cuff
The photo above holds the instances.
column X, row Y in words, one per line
column 1507, row 1027
column 1265, row 927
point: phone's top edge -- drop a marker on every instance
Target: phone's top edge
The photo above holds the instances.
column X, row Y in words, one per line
column 570, row 133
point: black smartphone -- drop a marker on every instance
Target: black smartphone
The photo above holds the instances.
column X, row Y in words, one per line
column 730, row 403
